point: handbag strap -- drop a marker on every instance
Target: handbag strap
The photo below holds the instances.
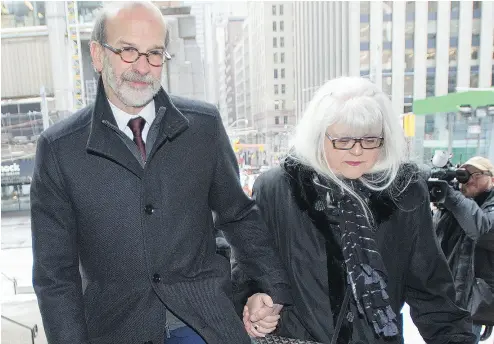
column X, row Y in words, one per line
column 341, row 316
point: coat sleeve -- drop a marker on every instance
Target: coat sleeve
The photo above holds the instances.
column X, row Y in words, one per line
column 429, row 284
column 238, row 217
column 476, row 222
column 56, row 277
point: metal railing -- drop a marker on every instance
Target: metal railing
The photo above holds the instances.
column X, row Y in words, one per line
column 33, row 330
column 13, row 280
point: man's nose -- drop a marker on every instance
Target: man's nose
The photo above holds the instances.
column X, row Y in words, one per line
column 141, row 65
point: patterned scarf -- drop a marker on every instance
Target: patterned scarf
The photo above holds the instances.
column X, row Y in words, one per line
column 350, row 238
column 365, row 270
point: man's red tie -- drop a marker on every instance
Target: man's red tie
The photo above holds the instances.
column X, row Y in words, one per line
column 136, row 125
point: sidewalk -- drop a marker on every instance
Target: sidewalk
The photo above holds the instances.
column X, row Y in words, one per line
column 24, row 311
column 16, row 263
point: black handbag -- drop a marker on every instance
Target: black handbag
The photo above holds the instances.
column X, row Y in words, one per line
column 480, row 301
column 481, row 305
column 283, row 340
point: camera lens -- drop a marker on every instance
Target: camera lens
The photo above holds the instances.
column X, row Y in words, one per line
column 462, row 175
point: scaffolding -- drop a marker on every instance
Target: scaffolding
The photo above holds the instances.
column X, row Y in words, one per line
column 75, row 54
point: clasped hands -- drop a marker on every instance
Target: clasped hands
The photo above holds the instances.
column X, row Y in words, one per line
column 261, row 315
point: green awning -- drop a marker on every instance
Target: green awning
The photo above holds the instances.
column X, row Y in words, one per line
column 450, row 102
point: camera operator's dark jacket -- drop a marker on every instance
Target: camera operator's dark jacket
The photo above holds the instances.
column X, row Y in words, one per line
column 465, row 230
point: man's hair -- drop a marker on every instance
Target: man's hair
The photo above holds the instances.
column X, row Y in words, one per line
column 111, row 9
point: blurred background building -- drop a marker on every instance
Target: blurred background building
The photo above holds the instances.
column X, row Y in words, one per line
column 47, row 74
column 412, row 50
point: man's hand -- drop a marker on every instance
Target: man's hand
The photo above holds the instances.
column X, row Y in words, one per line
column 261, row 315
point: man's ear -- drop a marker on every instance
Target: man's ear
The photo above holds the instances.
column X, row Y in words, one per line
column 97, row 56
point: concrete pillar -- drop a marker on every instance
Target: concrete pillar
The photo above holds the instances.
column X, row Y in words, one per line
column 57, row 28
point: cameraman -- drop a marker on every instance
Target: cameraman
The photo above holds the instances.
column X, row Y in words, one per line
column 464, row 225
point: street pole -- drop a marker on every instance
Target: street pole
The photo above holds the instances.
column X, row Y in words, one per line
column 44, row 108
column 450, row 132
column 478, row 137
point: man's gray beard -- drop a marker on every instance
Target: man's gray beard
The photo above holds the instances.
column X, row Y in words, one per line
column 127, row 94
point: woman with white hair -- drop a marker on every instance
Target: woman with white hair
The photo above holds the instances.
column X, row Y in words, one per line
column 353, row 225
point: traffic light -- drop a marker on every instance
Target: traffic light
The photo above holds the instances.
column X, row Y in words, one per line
column 409, row 125
column 236, row 145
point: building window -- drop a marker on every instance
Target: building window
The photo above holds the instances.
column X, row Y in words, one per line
column 474, row 77
column 475, row 53
column 275, row 42
column 283, row 104
column 282, row 57
column 274, row 9
column 455, row 9
column 386, row 59
column 275, row 89
column 282, row 42
column 282, row 25
column 387, row 31
column 431, row 40
column 283, row 89
column 408, row 86
column 432, row 10
column 275, row 57
column 409, row 62
column 274, row 26
column 431, row 54
column 281, row 10
column 276, row 74
column 285, row 119
column 364, row 11
column 277, row 118
column 364, row 32
column 452, row 82
column 453, row 54
column 282, row 73
column 430, row 85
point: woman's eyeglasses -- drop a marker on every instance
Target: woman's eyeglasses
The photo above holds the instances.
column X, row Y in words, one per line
column 347, row 143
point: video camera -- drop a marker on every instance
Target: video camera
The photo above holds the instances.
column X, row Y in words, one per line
column 444, row 174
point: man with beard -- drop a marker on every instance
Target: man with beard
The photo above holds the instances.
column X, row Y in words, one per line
column 127, row 196
column 465, row 229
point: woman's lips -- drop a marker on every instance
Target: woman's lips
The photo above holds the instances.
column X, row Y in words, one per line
column 354, row 163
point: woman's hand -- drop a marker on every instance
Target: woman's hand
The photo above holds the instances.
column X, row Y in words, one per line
column 260, row 315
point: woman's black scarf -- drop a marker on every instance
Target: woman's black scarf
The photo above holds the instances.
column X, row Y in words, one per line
column 353, row 258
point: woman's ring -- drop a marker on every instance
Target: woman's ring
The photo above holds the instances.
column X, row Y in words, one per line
column 256, row 327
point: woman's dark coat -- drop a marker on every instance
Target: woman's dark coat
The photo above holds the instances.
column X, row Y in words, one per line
column 417, row 270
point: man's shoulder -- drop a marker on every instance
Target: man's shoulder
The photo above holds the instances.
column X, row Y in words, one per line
column 75, row 122
column 193, row 106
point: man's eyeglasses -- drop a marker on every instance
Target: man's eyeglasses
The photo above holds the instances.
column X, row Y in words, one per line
column 347, row 143
column 155, row 58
